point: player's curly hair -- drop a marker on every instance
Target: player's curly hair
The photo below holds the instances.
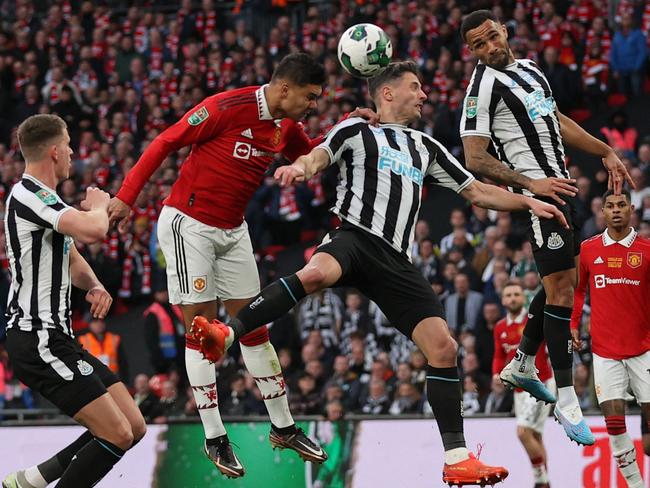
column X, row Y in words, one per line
column 301, row 69
column 624, row 192
column 473, row 20
column 394, row 71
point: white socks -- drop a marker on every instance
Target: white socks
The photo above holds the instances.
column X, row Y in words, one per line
column 566, row 397
column 625, row 456
column 203, row 379
column 457, row 455
column 539, row 473
column 524, row 363
column 263, row 364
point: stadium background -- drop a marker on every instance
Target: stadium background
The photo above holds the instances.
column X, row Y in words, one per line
column 120, row 72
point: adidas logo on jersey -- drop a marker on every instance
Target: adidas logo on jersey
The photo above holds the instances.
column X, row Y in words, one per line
column 598, row 260
column 247, row 133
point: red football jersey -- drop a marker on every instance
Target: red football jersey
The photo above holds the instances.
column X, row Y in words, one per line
column 234, row 140
column 618, row 274
column 507, row 336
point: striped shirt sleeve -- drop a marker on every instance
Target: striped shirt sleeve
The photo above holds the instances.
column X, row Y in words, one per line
column 475, row 119
column 444, row 168
column 338, row 138
column 40, row 207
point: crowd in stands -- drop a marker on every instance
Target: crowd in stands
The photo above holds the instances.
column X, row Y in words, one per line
column 120, row 76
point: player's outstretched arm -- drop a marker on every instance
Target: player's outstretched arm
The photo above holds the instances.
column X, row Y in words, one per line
column 578, row 138
column 303, row 168
column 491, row 196
column 91, row 224
column 480, row 161
column 85, row 278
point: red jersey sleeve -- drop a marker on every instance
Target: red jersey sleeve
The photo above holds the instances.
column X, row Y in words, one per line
column 297, row 142
column 581, row 290
column 499, row 358
column 201, row 123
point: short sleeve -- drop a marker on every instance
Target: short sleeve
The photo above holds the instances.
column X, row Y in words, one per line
column 338, row 139
column 444, row 168
column 37, row 205
column 475, row 119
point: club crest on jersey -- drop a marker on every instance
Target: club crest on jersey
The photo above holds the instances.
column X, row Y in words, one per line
column 199, row 283
column 84, row 368
column 46, row 197
column 277, row 136
column 201, row 115
column 634, row 259
column 471, row 107
column 554, row 241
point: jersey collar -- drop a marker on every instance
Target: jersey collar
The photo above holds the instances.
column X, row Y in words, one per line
column 39, row 182
column 262, row 106
column 625, row 242
column 518, row 319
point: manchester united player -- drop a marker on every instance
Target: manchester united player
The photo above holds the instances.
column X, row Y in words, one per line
column 531, row 413
column 616, row 266
column 203, row 236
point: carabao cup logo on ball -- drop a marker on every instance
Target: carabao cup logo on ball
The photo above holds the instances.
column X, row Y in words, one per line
column 365, row 50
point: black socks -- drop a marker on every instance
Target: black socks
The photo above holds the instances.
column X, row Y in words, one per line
column 533, row 334
column 271, row 303
column 91, row 463
column 446, row 400
column 557, row 331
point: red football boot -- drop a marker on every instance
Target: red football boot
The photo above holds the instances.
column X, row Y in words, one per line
column 211, row 337
column 473, row 472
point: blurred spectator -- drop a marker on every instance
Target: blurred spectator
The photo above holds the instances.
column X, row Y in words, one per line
column 355, row 320
column 107, row 347
column 305, row 400
column 422, row 231
column 564, row 83
column 322, row 311
column 591, row 226
column 164, row 333
column 628, row 57
column 334, row 411
column 426, row 261
column 146, row 401
column 377, row 402
column 347, row 381
column 581, row 380
column 458, row 222
column 463, row 306
column 471, row 403
column 241, row 401
column 619, row 135
column 171, row 403
column 500, row 399
column 408, row 400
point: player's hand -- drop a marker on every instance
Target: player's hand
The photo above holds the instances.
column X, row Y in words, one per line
column 575, row 340
column 100, row 302
column 548, row 211
column 96, row 199
column 292, row 173
column 118, row 211
column 366, row 113
column 553, row 188
column 617, row 173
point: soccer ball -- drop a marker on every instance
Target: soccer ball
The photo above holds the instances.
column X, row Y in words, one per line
column 365, row 50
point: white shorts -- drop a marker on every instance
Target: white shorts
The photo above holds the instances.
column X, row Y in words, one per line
column 204, row 262
column 530, row 412
column 613, row 377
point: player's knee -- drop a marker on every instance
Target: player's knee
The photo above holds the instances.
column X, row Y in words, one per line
column 443, row 351
column 120, row 434
column 312, row 279
column 524, row 434
column 561, row 293
column 138, row 429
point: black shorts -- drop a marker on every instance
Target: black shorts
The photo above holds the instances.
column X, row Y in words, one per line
column 555, row 247
column 384, row 275
column 56, row 366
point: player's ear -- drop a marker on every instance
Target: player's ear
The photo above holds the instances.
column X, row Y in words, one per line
column 387, row 92
column 504, row 29
column 284, row 89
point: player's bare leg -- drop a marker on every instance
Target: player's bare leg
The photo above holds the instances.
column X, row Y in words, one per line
column 461, row 468
column 52, row 469
column 622, row 446
column 203, row 380
column 645, row 427
column 272, row 302
column 534, row 446
column 262, row 362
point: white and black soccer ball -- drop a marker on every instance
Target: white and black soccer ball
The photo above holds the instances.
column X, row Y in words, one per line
column 365, row 50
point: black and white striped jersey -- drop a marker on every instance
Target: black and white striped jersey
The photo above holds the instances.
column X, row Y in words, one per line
column 382, row 172
column 39, row 258
column 515, row 108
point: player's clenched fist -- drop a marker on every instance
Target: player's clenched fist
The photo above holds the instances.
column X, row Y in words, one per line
column 96, row 199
